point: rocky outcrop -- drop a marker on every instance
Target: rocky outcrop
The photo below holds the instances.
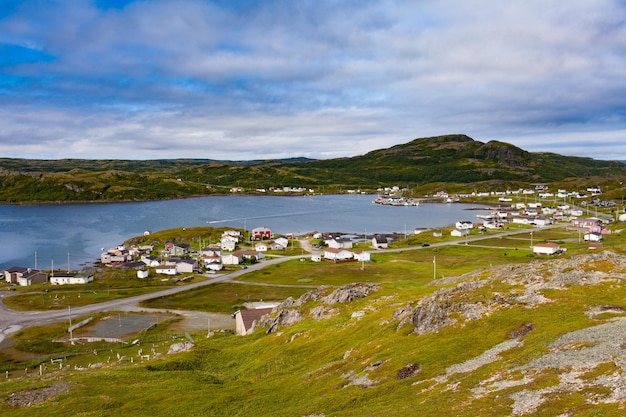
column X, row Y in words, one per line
column 180, row 347
column 349, row 293
column 289, row 313
column 526, row 284
column 283, row 319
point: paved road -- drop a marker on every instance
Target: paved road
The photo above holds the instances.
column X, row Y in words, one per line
column 11, row 320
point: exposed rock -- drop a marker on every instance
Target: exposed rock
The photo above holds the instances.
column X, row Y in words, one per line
column 349, row 293
column 431, row 314
column 361, row 380
column 31, row 397
column 322, row 312
column 180, row 347
column 284, row 318
column 447, row 306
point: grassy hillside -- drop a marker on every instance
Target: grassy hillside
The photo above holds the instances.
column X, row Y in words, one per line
column 525, row 336
column 452, row 159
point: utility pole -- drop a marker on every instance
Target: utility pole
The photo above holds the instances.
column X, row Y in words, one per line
column 434, row 267
column 69, row 313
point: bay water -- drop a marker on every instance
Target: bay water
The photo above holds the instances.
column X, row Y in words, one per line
column 75, row 234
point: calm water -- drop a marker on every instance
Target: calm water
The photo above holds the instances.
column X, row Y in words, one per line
column 53, row 231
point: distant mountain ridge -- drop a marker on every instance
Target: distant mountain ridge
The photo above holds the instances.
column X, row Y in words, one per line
column 456, row 159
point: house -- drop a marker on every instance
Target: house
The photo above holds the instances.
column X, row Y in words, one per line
column 362, row 256
column 70, row 278
column 143, row 273
column 464, row 224
column 586, row 223
column 233, row 233
column 12, row 274
column 261, row 233
column 234, row 258
column 261, row 246
column 542, row 221
column 338, row 242
column 459, row 232
column 212, row 262
column 380, row 242
column 228, row 243
column 593, row 237
column 211, row 250
column 150, row 260
column 177, row 249
column 337, row 255
column 32, row 276
column 116, row 255
column 246, row 320
column 183, row 264
column 250, row 254
column 166, row 269
column 282, row 241
column 546, row 248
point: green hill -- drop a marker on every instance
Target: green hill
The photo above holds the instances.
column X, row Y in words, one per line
column 453, row 159
column 542, row 338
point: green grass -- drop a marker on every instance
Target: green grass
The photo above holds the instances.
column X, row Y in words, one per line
column 302, row 369
column 223, row 297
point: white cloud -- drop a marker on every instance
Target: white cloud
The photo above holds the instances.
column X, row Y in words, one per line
column 319, row 79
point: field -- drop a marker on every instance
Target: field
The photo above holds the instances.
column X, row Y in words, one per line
column 347, row 365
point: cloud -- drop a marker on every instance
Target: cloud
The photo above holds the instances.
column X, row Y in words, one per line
column 276, row 78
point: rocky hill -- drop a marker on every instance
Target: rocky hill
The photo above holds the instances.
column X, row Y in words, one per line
column 544, row 338
column 448, row 159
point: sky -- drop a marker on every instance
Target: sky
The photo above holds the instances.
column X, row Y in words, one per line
column 246, row 79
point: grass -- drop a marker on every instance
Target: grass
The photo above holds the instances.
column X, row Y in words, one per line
column 223, row 297
column 303, row 369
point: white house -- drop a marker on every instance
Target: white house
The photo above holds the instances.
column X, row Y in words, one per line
column 593, row 237
column 229, row 243
column 166, row 269
column 337, row 255
column 32, row 276
column 282, row 241
column 70, row 278
column 380, row 242
column 546, row 248
column 183, row 264
column 459, row 232
column 143, row 273
column 362, row 256
column 150, row 260
column 338, row 242
column 542, row 221
column 250, row 254
column 234, row 258
column 464, row 224
column 261, row 246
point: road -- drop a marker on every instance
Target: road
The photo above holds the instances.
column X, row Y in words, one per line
column 12, row 321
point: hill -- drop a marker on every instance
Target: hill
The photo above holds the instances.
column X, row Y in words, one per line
column 452, row 159
column 542, row 338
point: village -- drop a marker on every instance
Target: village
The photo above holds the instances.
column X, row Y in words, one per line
column 236, row 249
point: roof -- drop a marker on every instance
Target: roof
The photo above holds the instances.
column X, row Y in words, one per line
column 19, row 269
column 249, row 316
column 31, row 272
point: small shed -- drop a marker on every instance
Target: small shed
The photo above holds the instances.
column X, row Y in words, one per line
column 546, row 248
column 245, row 320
